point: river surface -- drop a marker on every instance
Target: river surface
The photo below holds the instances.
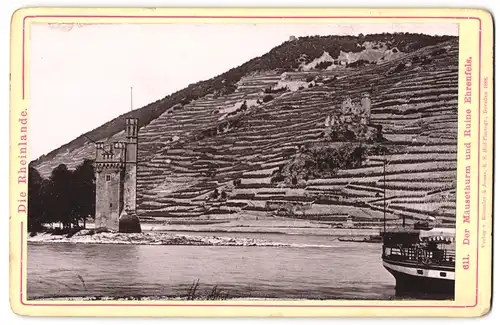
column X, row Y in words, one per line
column 315, row 267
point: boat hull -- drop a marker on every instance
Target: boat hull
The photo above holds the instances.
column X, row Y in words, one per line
column 422, row 280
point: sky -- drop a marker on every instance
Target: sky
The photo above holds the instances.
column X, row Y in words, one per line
column 80, row 76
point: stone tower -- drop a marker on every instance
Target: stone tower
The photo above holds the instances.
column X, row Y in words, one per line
column 116, row 180
column 366, row 104
column 130, row 186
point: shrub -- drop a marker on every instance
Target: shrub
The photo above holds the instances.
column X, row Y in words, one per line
column 270, row 90
column 267, row 98
column 426, row 61
column 287, row 153
column 349, row 135
column 323, row 161
column 278, row 178
column 357, row 64
column 438, row 52
column 215, row 194
column 400, row 67
column 323, row 65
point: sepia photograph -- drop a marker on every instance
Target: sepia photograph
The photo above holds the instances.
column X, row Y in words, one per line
column 194, row 162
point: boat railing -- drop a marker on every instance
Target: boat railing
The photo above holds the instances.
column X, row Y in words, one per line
column 420, row 255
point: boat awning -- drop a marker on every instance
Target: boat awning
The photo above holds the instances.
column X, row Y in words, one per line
column 402, row 236
column 443, row 235
column 438, row 239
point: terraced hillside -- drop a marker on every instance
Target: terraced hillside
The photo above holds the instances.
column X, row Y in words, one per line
column 413, row 98
column 234, row 142
column 289, row 56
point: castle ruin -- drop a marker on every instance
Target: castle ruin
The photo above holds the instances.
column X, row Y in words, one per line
column 351, row 121
column 116, row 182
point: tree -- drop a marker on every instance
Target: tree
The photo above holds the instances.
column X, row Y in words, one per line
column 59, row 197
column 215, row 194
column 83, row 191
column 35, row 200
column 323, row 65
column 66, row 197
column 267, row 98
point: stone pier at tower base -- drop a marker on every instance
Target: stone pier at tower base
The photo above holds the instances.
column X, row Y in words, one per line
column 129, row 223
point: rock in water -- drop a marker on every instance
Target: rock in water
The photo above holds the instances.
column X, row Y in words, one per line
column 129, row 223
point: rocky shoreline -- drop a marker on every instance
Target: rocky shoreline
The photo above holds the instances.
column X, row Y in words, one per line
column 148, row 238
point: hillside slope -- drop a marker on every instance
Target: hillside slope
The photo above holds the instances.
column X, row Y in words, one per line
column 219, row 141
column 417, row 108
column 286, row 57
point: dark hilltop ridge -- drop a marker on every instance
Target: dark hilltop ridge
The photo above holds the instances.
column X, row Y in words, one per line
column 260, row 138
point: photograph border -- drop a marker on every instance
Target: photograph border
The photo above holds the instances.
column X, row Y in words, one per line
column 482, row 260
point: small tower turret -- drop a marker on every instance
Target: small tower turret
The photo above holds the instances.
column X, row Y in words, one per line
column 130, row 182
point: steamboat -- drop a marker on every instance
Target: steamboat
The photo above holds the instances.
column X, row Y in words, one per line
column 421, row 258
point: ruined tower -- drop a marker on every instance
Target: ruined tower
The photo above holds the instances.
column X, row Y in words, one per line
column 116, row 180
column 351, row 121
column 366, row 104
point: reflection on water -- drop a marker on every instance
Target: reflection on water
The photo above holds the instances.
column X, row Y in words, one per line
column 316, row 268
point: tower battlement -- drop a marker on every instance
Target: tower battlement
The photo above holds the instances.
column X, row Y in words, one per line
column 110, row 152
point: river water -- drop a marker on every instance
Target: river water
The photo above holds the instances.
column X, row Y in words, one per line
column 315, row 267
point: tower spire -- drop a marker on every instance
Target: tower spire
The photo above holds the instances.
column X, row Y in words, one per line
column 131, row 99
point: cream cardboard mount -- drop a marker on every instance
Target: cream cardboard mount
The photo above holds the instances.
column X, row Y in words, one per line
column 345, row 172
